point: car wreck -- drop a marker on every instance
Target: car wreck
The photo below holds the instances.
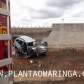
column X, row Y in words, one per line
column 27, row 46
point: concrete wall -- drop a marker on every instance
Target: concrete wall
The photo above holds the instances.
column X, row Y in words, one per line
column 37, row 33
column 58, row 36
column 67, row 35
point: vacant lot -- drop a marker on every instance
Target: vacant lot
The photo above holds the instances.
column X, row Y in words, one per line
column 57, row 59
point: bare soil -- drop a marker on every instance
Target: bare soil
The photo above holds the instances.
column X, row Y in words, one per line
column 57, row 59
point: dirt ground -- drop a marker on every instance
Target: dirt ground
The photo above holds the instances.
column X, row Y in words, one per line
column 57, row 59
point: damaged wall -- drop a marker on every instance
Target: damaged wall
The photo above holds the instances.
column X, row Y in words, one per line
column 66, row 35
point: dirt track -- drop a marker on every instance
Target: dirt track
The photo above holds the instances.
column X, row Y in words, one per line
column 62, row 59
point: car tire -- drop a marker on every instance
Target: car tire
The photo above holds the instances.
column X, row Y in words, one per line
column 31, row 53
column 17, row 53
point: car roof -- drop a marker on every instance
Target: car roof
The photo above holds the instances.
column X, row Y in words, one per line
column 26, row 38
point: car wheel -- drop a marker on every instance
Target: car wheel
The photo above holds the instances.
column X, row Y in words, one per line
column 45, row 54
column 31, row 53
column 17, row 53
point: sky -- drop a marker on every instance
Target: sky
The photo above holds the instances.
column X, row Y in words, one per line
column 45, row 12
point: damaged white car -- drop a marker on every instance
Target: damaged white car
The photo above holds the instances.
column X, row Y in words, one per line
column 27, row 46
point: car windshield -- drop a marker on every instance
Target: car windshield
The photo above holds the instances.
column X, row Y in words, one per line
column 35, row 43
column 30, row 44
